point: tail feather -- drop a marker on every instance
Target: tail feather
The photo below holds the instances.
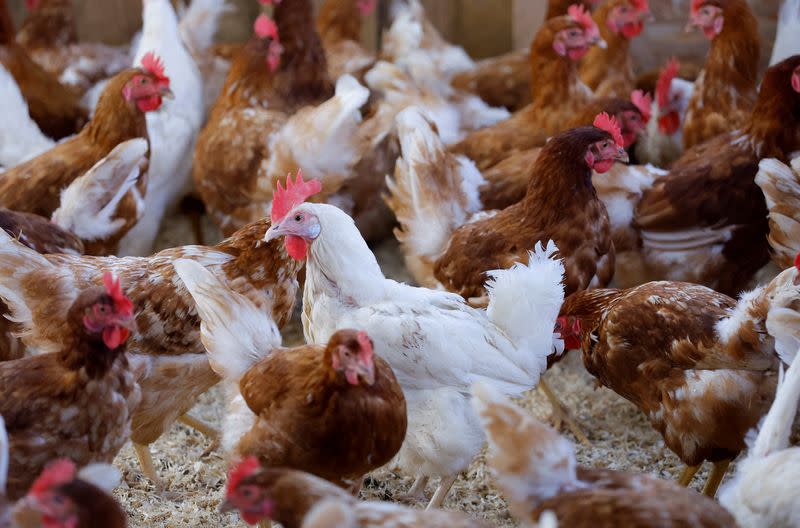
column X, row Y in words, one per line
column 525, row 300
column 331, row 513
column 781, row 187
column 776, row 428
column 234, row 331
column 89, row 203
column 104, row 476
column 783, row 316
column 532, row 462
column 16, row 262
column 432, row 192
column 787, row 37
column 323, row 140
column 199, row 23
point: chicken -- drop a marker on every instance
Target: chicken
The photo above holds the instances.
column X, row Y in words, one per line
column 272, row 118
column 35, row 186
column 725, row 91
column 339, row 26
column 63, row 497
column 507, row 182
column 336, row 411
column 761, row 491
column 20, row 136
column 787, row 42
column 608, row 71
column 781, row 187
column 55, row 108
column 5, row 505
column 296, row 499
column 168, row 340
column 172, row 130
column 75, row 402
column 662, row 144
column 558, row 92
column 505, row 80
column 433, row 189
column 706, row 221
column 435, row 343
column 538, row 473
column 706, row 371
column 49, row 35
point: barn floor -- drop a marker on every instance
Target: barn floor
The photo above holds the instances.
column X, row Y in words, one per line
column 195, row 473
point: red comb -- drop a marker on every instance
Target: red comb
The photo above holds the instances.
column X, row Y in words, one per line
column 579, row 14
column 295, row 193
column 114, row 290
column 644, row 102
column 610, row 125
column 640, row 5
column 56, row 473
column 152, row 63
column 31, row 4
column 265, row 27
column 242, row 470
column 366, row 7
column 664, row 84
column 365, row 343
column 797, row 262
column 269, row 2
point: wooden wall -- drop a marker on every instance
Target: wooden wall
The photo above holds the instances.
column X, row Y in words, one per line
column 483, row 27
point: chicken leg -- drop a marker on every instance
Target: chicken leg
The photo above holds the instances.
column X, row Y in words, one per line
column 417, row 491
column 200, row 426
column 441, row 492
column 561, row 414
column 688, row 474
column 715, row 478
column 146, row 463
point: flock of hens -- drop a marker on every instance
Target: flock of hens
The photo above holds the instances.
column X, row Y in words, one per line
column 519, row 189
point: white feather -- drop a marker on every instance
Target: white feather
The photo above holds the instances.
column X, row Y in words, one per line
column 787, row 37
column 20, row 137
column 4, row 456
column 104, row 476
column 199, row 23
column 89, row 203
column 235, row 332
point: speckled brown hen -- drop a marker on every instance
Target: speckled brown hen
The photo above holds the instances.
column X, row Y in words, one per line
column 505, row 80
column 608, row 71
column 300, row 500
column 35, row 186
column 537, row 471
column 75, row 402
column 167, row 345
column 707, row 220
column 558, row 92
column 339, row 26
column 725, row 91
column 701, row 365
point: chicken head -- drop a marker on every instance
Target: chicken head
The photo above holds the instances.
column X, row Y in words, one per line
column 111, row 314
column 628, row 18
column 57, row 510
column 250, row 499
column 299, row 228
column 601, row 155
column 569, row 329
column 706, row 16
column 574, row 42
column 147, row 89
column 668, row 100
column 351, row 354
column 796, row 80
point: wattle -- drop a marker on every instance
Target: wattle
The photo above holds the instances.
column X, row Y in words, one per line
column 632, row 29
column 602, row 166
column 669, row 123
column 577, row 53
column 149, row 104
column 296, row 247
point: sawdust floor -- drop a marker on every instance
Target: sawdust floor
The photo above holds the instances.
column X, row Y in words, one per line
column 195, row 473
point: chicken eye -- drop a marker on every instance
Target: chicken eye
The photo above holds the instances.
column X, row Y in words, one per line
column 247, row 493
column 298, row 218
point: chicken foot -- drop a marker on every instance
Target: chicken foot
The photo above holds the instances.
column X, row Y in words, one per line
column 417, row 491
column 718, row 471
column 146, row 463
column 688, row 474
column 441, row 492
column 562, row 415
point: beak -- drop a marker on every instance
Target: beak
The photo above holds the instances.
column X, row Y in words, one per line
column 226, row 506
column 602, row 44
column 166, row 93
column 274, row 231
column 622, row 155
column 647, row 16
column 130, row 324
column 690, row 25
column 367, row 373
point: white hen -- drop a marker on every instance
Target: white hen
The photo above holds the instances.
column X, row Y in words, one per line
column 173, row 130
column 763, row 492
column 20, row 137
column 787, row 37
column 436, row 344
